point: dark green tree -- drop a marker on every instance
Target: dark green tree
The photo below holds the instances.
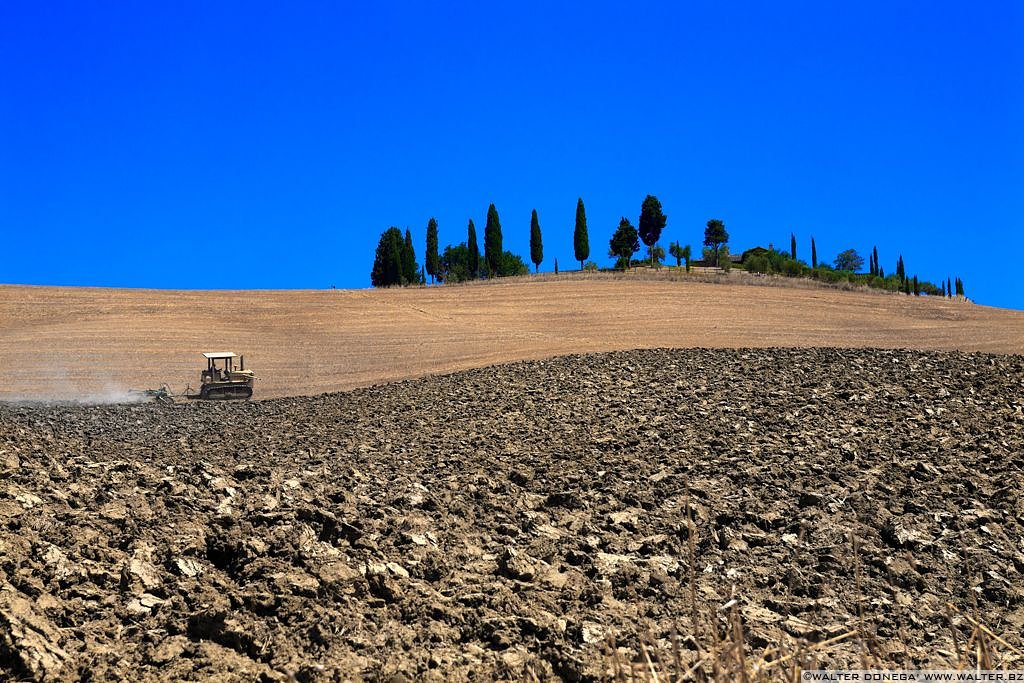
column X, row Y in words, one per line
column 473, row 251
column 901, row 271
column 917, row 287
column 906, row 286
column 625, row 242
column 652, row 222
column 454, row 264
column 943, row 289
column 814, row 254
column 949, row 288
column 433, row 258
column 792, row 245
column 536, row 243
column 492, row 241
column 686, row 256
column 960, row 287
column 878, row 268
column 556, row 266
column 580, row 238
column 410, row 273
column 387, row 262
column 423, row 275
column 715, row 236
column 849, row 260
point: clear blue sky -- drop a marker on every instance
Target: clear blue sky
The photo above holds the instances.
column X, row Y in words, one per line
column 137, row 138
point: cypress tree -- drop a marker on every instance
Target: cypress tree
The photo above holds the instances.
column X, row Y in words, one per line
column 433, row 259
column 792, row 245
column 814, row 254
column 536, row 244
column 901, row 271
column 943, row 289
column 474, row 251
column 949, row 288
column 580, row 239
column 686, row 251
column 917, row 288
column 492, row 241
column 410, row 273
column 388, row 263
column 878, row 269
column 556, row 266
column 906, row 285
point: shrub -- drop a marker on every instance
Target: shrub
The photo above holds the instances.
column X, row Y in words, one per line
column 510, row 264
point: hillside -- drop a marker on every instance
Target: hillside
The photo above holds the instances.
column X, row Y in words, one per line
column 79, row 342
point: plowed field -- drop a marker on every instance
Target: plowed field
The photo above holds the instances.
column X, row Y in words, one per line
column 653, row 509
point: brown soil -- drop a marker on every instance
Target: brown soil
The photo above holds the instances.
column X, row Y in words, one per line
column 507, row 522
column 74, row 342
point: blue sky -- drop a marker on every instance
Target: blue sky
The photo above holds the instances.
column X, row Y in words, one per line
column 137, row 139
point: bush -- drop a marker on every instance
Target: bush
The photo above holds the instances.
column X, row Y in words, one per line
column 756, row 263
column 827, row 274
column 590, row 266
column 791, row 268
column 510, row 264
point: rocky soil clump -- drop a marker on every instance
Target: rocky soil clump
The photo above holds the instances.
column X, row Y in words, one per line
column 549, row 519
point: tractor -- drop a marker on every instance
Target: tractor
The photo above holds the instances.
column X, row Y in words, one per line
column 221, row 380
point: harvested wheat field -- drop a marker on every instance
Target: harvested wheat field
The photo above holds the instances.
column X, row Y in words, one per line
column 94, row 343
column 592, row 517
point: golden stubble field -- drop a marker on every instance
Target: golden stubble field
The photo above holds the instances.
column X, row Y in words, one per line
column 62, row 342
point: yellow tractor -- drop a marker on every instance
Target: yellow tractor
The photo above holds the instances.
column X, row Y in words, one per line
column 221, row 380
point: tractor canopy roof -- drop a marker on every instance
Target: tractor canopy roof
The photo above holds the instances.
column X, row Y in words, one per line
column 217, row 355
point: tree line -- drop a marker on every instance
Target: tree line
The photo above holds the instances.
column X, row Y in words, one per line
column 395, row 259
column 845, row 268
